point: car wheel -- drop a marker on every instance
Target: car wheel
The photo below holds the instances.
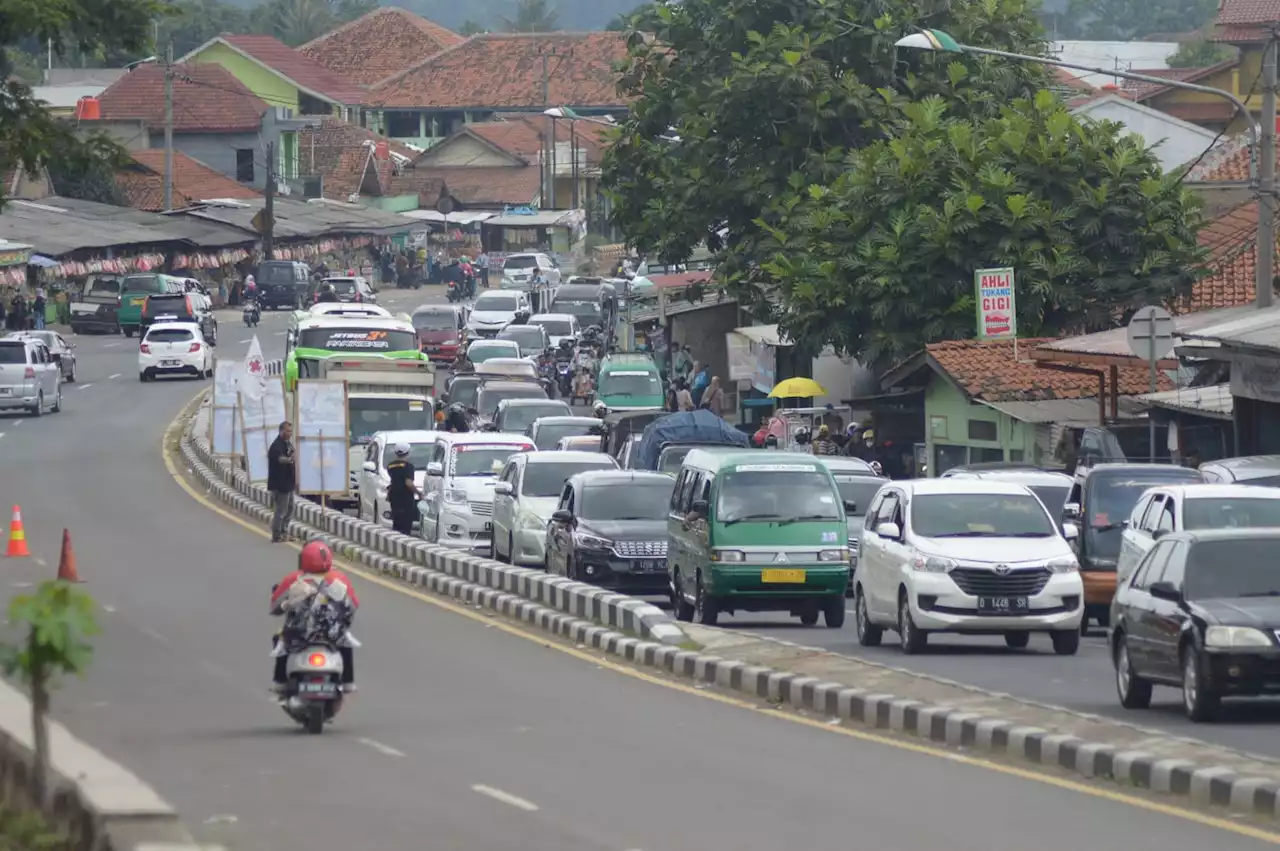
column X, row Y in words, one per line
column 57, row 402
column 911, row 638
column 1134, row 691
column 869, row 634
column 72, row 377
column 511, row 549
column 38, row 410
column 682, row 608
column 142, row 376
column 706, row 609
column 1199, row 699
column 809, row 614
column 1017, row 640
column 1066, row 642
column 833, row 613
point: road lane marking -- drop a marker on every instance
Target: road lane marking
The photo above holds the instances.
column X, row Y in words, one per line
column 479, row 616
column 246, row 342
column 506, row 798
column 17, row 422
column 281, row 333
column 385, row 750
column 113, row 377
column 84, row 386
column 110, row 345
column 1, row 434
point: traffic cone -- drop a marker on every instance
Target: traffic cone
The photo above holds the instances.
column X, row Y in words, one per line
column 67, row 562
column 17, row 536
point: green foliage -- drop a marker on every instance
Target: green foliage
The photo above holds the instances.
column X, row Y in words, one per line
column 532, row 16
column 1129, row 20
column 1200, row 54
column 767, row 97
column 881, row 260
column 623, row 22
column 58, row 619
column 470, row 27
column 27, row 831
column 27, row 67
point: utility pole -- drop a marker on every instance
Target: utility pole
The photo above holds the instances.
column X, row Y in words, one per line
column 1267, row 180
column 168, row 127
column 550, row 199
column 269, row 209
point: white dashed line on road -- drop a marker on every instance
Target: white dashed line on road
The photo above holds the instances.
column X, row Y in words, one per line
column 385, row 750
column 84, row 386
column 17, row 422
column 506, row 798
column 110, row 345
column 113, row 377
column 1, row 434
column 246, row 342
column 281, row 333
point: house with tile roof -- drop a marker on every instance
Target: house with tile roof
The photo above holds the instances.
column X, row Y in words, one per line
column 142, row 182
column 379, row 45
column 282, row 76
column 1175, row 142
column 495, row 73
column 344, row 162
column 1205, row 110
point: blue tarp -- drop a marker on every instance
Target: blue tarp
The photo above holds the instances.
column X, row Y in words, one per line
column 690, row 427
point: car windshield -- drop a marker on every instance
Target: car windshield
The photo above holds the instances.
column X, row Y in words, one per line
column 520, row 417
column 1237, row 568
column 482, row 459
column 370, row 416
column 419, row 454
column 169, row 335
column 980, row 515
column 1230, row 513
column 1053, row 497
column 103, row 287
column 780, row 493
column 13, row 353
column 488, row 351
column 528, row 337
column 1110, row 502
column 670, row 459
column 634, row 501
column 463, row 391
column 630, row 383
column 858, row 489
column 496, row 303
column 488, row 398
column 276, row 274
column 435, row 321
column 349, row 339
column 142, row 284
column 520, row 261
column 555, row 327
column 547, row 479
column 549, row 434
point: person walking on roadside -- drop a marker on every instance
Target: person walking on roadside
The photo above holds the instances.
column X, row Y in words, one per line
column 281, row 481
column 37, row 310
column 402, row 493
column 682, row 365
column 684, row 399
column 483, row 262
column 701, row 381
column 713, row 399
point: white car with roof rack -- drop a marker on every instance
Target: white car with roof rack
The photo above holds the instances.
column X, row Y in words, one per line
column 174, row 348
column 457, row 508
column 374, row 478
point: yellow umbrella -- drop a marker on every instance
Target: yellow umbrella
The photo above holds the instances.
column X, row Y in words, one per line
column 797, row 388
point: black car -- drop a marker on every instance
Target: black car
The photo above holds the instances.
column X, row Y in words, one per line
column 1201, row 613
column 181, row 307
column 350, row 290
column 282, row 283
column 610, row 529
column 516, row 415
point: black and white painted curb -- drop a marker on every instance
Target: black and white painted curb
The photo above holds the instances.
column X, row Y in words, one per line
column 448, row 573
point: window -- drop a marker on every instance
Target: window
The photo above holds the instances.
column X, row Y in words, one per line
column 1166, row 522
column 976, row 515
column 1152, row 566
column 985, row 455
column 873, row 511
column 890, row 509
column 244, row 165
column 1147, row 523
column 1230, row 513
column 1236, row 567
column 403, row 125
column 947, row 456
column 1176, row 566
column 983, row 430
column 1016, row 456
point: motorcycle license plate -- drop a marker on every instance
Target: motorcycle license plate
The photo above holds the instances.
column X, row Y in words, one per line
column 317, row 688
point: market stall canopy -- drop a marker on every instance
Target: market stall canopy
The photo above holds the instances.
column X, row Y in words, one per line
column 464, row 217
column 766, row 334
column 797, row 388
column 303, row 219
column 542, row 219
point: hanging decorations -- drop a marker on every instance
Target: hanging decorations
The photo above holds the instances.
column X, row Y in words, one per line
column 210, row 259
column 13, row 275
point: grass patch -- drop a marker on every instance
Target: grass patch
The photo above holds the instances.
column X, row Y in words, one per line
column 22, row 831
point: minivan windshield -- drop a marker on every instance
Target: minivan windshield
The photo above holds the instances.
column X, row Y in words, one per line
column 435, row 320
column 858, row 489
column 495, row 302
column 482, row 352
column 276, row 273
column 1230, row 513
column 543, row 480
column 1242, row 567
column 630, row 383
column 647, row 501
column 555, row 327
column 477, row 459
column 980, row 515
column 776, row 493
column 371, row 415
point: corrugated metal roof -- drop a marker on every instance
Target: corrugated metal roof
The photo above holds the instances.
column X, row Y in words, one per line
column 305, row 218
column 1213, row 401
column 543, row 219
column 1072, row 412
column 1246, row 326
column 1116, row 340
column 464, row 217
column 767, row 334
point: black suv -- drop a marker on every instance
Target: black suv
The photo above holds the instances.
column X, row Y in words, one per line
column 181, row 307
column 282, row 283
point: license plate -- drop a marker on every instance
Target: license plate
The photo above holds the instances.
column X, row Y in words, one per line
column 317, row 688
column 1003, row 605
column 788, row 576
column 171, row 363
column 650, row 565
column 137, row 302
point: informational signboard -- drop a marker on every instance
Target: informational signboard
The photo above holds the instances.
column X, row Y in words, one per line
column 321, row 435
column 260, row 422
column 997, row 316
column 224, row 423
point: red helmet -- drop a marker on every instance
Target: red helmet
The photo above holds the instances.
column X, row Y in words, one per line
column 316, row 557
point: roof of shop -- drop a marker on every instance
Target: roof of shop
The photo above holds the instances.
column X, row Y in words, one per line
column 59, row 226
column 1069, row 412
column 542, row 219
column 1243, row 327
column 1214, row 401
column 1115, row 342
column 306, row 218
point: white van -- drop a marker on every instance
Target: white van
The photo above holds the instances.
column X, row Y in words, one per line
column 457, row 508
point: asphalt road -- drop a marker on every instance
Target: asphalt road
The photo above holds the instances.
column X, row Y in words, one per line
column 463, row 736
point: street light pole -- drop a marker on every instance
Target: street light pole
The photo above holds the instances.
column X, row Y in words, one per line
column 937, row 40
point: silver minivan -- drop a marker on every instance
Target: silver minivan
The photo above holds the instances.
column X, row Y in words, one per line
column 30, row 378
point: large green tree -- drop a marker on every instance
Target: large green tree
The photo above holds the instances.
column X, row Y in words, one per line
column 30, row 137
column 882, row 259
column 738, row 105
column 1127, row 20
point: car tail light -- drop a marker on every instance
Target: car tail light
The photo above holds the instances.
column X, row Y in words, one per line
column 29, row 372
column 146, row 350
column 317, row 660
column 195, row 347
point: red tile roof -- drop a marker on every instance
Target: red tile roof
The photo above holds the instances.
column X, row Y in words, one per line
column 987, row 370
column 206, row 99
column 1234, row 167
column 193, row 181
column 1143, row 91
column 378, row 45
column 1241, row 21
column 303, row 71
column 523, row 136
column 1066, row 78
column 1232, row 242
column 505, row 71
column 342, row 154
column 489, row 186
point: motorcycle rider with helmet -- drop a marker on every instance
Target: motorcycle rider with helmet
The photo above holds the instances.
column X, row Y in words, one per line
column 327, row 294
column 315, row 573
column 456, row 419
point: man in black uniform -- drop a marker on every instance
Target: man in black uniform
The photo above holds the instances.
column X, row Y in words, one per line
column 402, row 493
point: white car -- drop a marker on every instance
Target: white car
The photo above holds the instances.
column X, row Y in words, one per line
column 30, row 378
column 480, row 351
column 1052, row 488
column 338, row 308
column 495, row 310
column 457, row 509
column 174, row 348
column 518, row 269
column 965, row 555
column 374, row 478
column 559, row 326
column 526, row 494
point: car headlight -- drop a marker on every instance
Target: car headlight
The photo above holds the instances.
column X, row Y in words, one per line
column 932, row 564
column 457, row 497
column 1066, row 564
column 1235, row 636
column 529, row 520
column 587, row 541
column 729, row 556
column 833, row 555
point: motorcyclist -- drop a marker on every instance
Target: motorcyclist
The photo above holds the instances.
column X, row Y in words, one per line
column 327, row 295
column 600, row 410
column 315, row 573
column 824, row 445
column 403, row 493
column 456, row 419
column 801, row 441
column 250, row 289
column 439, row 416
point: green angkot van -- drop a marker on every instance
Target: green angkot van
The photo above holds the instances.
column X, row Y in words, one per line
column 134, row 290
column 322, row 337
column 757, row 531
column 630, row 382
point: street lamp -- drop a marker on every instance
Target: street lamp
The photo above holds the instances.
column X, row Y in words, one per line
column 939, row 41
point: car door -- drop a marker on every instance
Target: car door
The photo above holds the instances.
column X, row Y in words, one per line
column 68, row 355
column 369, row 481
column 1168, row 617
column 504, row 505
column 49, row 371
column 882, row 573
column 1135, row 539
column 681, row 499
column 434, row 492
column 560, row 535
column 1140, row 611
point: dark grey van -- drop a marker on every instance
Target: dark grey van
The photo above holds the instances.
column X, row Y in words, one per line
column 282, row 283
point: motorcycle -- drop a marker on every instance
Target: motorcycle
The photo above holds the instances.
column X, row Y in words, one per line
column 252, row 313
column 315, row 631
column 455, row 292
column 564, row 379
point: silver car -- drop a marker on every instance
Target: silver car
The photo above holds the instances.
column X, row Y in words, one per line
column 63, row 352
column 30, row 378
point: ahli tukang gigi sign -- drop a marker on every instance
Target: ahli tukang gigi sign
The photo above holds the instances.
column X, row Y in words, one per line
column 997, row 319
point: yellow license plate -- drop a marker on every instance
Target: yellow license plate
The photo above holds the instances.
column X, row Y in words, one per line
column 137, row 301
column 782, row 576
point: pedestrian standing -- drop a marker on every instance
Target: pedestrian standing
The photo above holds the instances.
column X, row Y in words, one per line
column 684, row 399
column 701, row 381
column 402, row 491
column 683, row 363
column 483, row 261
column 281, row 480
column 37, row 310
column 713, row 399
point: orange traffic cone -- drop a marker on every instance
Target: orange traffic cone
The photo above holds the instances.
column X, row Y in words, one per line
column 67, row 563
column 17, row 536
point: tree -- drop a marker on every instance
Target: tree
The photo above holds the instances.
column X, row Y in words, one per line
column 194, row 22
column 30, row 137
column 56, row 620
column 740, row 104
column 623, row 22
column 1200, row 53
column 532, row 16
column 294, row 22
column 470, row 27
column 1129, row 20
column 881, row 260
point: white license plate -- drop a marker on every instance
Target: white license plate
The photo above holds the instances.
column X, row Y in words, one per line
column 171, row 363
column 6, row 391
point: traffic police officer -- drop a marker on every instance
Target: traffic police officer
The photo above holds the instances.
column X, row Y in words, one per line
column 403, row 493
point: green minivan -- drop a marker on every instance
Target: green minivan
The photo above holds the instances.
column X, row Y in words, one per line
column 630, row 381
column 134, row 290
column 756, row 531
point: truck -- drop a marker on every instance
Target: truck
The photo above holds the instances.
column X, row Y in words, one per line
column 382, row 395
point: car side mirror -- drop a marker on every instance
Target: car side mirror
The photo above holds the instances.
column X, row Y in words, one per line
column 369, row 467
column 699, row 508
column 1071, row 511
column 1165, row 591
column 1157, row 534
column 503, row 489
column 850, row 506
column 1070, row 531
column 563, row 515
column 435, row 468
column 890, row 531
